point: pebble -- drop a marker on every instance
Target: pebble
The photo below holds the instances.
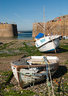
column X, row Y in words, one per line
column 35, row 95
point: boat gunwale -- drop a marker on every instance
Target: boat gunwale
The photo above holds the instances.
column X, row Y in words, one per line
column 32, row 66
column 47, row 42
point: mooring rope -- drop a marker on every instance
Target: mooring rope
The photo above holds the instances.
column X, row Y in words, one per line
column 48, row 72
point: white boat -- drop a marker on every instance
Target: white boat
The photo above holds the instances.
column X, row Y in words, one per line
column 47, row 43
column 65, row 37
column 32, row 69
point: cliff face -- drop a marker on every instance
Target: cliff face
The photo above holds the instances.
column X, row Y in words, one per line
column 8, row 30
column 58, row 26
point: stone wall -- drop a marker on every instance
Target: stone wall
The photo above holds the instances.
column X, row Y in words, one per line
column 52, row 27
column 8, row 30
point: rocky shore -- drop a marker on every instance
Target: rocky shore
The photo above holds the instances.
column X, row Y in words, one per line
column 24, row 47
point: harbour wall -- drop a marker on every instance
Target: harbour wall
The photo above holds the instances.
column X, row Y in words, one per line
column 8, row 30
column 57, row 26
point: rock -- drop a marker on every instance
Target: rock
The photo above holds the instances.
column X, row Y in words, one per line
column 35, row 95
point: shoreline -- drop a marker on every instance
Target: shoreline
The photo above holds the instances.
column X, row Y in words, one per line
column 7, row 40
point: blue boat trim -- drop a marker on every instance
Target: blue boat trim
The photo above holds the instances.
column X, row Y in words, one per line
column 50, row 50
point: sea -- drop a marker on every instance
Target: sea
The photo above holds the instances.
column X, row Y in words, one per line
column 25, row 35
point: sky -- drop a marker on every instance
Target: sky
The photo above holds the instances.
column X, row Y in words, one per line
column 26, row 12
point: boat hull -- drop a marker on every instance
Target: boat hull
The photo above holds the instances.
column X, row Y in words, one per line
column 48, row 44
column 31, row 75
